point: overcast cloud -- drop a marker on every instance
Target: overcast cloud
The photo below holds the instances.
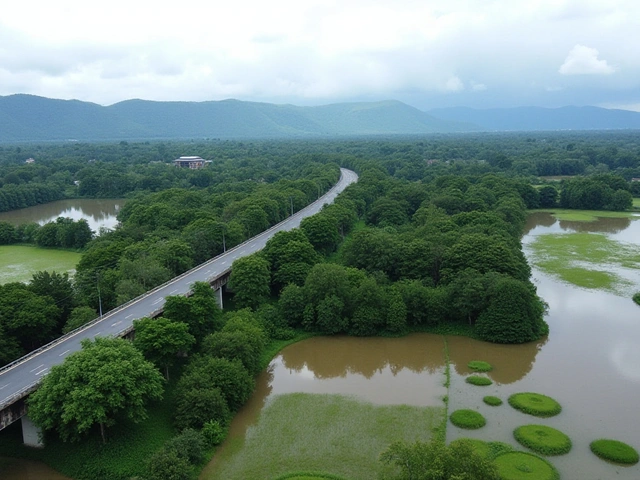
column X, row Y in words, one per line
column 428, row 53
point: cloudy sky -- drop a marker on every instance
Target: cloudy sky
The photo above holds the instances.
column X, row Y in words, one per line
column 428, row 53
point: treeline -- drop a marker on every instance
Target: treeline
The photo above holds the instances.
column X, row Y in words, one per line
column 63, row 233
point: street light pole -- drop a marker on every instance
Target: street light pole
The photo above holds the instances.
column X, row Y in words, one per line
column 99, row 296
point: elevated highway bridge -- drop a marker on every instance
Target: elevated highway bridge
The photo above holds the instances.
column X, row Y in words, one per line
column 21, row 377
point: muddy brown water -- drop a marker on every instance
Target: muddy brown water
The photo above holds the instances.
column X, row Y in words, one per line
column 590, row 363
column 97, row 212
column 18, row 469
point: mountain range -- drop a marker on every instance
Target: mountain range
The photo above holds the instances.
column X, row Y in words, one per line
column 32, row 118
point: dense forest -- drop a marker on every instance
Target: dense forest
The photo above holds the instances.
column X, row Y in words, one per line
column 428, row 239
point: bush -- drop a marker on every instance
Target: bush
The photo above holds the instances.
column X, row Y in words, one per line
column 478, row 380
column 469, row 419
column 542, row 439
column 519, row 465
column 168, row 465
column 636, row 298
column 493, row 401
column 189, row 445
column 615, row 451
column 535, row 404
column 196, row 406
column 479, row 366
column 213, row 432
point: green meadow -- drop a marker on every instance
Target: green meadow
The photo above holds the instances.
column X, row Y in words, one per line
column 332, row 434
column 19, row 262
column 585, row 215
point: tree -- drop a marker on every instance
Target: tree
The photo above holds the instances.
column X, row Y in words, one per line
column 78, row 317
column 167, row 464
column 250, row 280
column 436, row 461
column 106, row 380
column 160, row 340
column 57, row 286
column 548, row 196
column 322, row 232
column 8, row 233
column 200, row 311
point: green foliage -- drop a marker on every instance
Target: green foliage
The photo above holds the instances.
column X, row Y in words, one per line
column 108, row 379
column 213, row 432
column 615, row 451
column 436, row 461
column 543, row 439
column 309, row 476
column 79, row 316
column 492, row 400
column 469, row 419
column 322, row 232
column 167, row 464
column 479, row 366
column 478, row 380
column 189, row 444
column 250, row 279
column 535, row 404
column 200, row 311
column 636, row 298
column 519, row 465
column 195, row 406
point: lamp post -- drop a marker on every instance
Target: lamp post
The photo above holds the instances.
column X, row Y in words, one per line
column 99, row 296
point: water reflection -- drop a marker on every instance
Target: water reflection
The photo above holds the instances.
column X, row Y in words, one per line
column 97, row 212
column 18, row 469
column 603, row 225
column 510, row 362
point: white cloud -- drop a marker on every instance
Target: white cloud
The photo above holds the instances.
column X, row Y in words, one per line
column 584, row 60
column 454, row 84
column 478, row 87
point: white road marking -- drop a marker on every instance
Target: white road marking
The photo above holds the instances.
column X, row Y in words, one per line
column 223, row 263
column 98, row 333
column 43, row 370
column 64, row 353
column 128, row 316
column 39, row 366
column 116, row 323
column 5, row 385
column 174, row 291
column 157, row 301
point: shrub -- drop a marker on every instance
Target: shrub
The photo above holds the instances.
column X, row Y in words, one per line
column 535, row 404
column 469, row 419
column 636, row 298
column 615, row 451
column 213, row 432
column 493, row 401
column 189, row 445
column 519, row 465
column 195, row 407
column 479, row 381
column 479, row 366
column 542, row 439
column 168, row 465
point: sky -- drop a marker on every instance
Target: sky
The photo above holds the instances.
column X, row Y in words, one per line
column 427, row 53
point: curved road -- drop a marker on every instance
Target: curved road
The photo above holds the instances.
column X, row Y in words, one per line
column 20, row 377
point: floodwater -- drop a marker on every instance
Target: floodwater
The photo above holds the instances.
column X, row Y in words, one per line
column 17, row 469
column 98, row 213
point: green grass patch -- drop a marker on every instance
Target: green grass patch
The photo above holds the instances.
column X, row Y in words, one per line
column 615, row 451
column 125, row 454
column 582, row 215
column 542, row 439
column 309, row 476
column 18, row 263
column 492, row 401
column 535, row 404
column 479, row 366
column 469, row 419
column 636, row 298
column 478, row 380
column 322, row 433
column 582, row 259
column 525, row 466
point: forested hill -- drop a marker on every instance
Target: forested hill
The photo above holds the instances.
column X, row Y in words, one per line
column 535, row 118
column 32, row 118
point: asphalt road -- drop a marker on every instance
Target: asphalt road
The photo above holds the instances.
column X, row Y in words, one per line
column 25, row 374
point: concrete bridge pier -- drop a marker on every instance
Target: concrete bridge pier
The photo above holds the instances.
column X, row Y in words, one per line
column 219, row 297
column 31, row 435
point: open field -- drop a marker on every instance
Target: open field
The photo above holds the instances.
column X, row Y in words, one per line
column 321, row 433
column 19, row 262
column 584, row 215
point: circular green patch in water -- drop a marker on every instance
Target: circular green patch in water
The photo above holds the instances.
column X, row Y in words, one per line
column 615, row 451
column 493, row 401
column 535, row 404
column 525, row 466
column 469, row 419
column 479, row 366
column 478, row 380
column 542, row 439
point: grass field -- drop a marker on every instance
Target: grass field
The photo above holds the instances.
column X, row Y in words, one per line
column 584, row 215
column 584, row 259
column 321, row 433
column 18, row 263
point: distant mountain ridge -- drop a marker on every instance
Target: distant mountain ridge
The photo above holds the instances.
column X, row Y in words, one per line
column 32, row 118
column 29, row 118
column 537, row 118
